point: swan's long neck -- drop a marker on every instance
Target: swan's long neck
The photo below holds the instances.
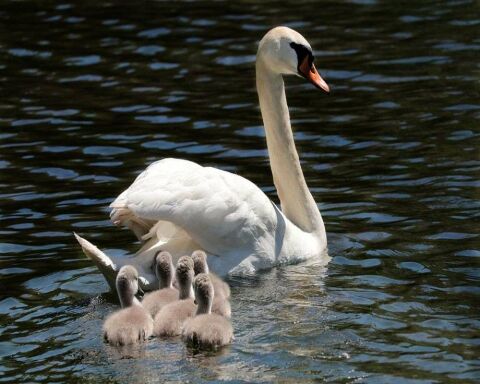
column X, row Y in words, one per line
column 295, row 198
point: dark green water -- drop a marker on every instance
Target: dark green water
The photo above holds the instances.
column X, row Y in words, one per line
column 93, row 92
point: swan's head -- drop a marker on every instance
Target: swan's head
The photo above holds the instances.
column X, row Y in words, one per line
column 200, row 262
column 127, row 285
column 164, row 268
column 286, row 52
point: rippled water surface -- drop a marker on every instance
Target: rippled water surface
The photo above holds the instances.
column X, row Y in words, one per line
column 93, row 92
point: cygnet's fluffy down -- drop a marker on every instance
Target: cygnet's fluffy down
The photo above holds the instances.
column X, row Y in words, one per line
column 164, row 269
column 221, row 288
column 221, row 306
column 169, row 320
column 128, row 326
column 155, row 301
column 132, row 324
column 206, row 329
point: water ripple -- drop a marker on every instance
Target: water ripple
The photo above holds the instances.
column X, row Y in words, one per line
column 93, row 92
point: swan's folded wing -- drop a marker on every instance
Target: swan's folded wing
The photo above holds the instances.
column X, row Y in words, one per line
column 218, row 209
column 101, row 260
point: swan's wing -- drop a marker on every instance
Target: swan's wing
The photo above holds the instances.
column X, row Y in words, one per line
column 104, row 263
column 109, row 267
column 219, row 210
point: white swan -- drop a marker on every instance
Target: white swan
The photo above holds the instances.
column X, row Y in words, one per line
column 179, row 206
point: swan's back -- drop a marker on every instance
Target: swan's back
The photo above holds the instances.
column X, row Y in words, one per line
column 221, row 210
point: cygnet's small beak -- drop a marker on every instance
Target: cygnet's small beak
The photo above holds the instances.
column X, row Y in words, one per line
column 311, row 74
column 140, row 292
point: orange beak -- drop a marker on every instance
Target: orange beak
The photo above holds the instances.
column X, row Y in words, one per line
column 311, row 74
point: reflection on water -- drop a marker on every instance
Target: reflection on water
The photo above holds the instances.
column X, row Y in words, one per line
column 92, row 92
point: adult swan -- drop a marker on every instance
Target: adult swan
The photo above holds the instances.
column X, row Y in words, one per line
column 179, row 206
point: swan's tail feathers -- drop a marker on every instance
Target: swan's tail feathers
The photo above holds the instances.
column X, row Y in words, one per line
column 121, row 215
column 101, row 260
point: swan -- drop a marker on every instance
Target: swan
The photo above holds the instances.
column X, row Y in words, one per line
column 180, row 206
column 166, row 293
column 206, row 329
column 132, row 324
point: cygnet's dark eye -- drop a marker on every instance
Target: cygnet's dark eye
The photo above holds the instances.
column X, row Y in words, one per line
column 302, row 52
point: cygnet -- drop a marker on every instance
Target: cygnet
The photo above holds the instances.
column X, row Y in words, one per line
column 221, row 305
column 132, row 324
column 206, row 329
column 169, row 320
column 201, row 266
column 164, row 269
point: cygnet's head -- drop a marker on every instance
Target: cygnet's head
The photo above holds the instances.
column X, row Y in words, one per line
column 285, row 51
column 200, row 262
column 204, row 293
column 127, row 285
column 164, row 269
column 184, row 274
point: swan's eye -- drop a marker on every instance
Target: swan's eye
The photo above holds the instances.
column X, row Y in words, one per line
column 302, row 52
column 306, row 68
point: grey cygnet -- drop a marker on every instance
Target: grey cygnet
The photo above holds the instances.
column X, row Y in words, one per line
column 132, row 324
column 206, row 329
column 169, row 320
column 164, row 270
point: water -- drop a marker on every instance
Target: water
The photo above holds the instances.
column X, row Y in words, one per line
column 93, row 92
